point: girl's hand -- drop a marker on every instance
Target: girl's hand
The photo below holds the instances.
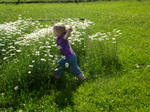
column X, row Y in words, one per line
column 70, row 29
column 68, row 34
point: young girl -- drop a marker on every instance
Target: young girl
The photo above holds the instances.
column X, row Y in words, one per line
column 70, row 60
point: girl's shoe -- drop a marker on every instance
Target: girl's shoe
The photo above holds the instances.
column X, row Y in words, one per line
column 56, row 76
column 81, row 77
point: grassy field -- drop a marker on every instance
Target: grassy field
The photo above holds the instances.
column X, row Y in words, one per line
column 117, row 68
column 63, row 0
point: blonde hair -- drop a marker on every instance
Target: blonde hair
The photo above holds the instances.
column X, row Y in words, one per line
column 60, row 27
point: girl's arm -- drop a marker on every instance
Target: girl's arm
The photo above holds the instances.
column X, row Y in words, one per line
column 68, row 34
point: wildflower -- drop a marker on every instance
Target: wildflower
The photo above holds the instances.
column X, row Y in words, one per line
column 20, row 110
column 37, row 53
column 12, row 54
column 51, row 56
column 148, row 66
column 106, row 38
column 41, row 47
column 40, row 42
column 30, row 66
column 42, row 59
column 16, row 88
column 100, row 39
column 5, row 58
column 113, row 38
column 48, row 46
column 137, row 66
column 117, row 31
column 116, row 35
column 3, row 50
column 56, row 69
column 2, row 44
column 29, row 72
column 18, row 51
column 47, row 43
column 11, row 47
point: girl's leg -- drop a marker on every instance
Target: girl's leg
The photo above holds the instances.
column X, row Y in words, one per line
column 59, row 68
column 75, row 68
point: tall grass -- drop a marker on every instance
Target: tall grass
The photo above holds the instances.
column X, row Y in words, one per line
column 29, row 58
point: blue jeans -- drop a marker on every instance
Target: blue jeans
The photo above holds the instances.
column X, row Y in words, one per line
column 72, row 61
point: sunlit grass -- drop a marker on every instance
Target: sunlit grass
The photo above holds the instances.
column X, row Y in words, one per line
column 113, row 53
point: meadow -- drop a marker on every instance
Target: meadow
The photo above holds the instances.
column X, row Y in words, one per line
column 112, row 46
column 59, row 1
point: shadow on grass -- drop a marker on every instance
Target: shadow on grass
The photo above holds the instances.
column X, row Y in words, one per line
column 65, row 87
column 39, row 85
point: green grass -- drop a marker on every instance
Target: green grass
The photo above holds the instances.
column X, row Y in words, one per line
column 63, row 0
column 123, row 89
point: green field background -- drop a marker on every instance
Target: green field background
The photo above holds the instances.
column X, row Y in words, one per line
column 114, row 90
column 64, row 0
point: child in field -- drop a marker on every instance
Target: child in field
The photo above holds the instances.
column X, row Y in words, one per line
column 70, row 60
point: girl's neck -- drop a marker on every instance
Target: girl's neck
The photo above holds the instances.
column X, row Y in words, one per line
column 61, row 34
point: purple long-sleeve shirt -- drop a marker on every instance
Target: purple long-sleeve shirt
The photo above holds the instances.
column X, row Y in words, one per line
column 64, row 46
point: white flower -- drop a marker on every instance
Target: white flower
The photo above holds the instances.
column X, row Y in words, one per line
column 47, row 43
column 41, row 47
column 42, row 59
column 30, row 66
column 2, row 44
column 137, row 66
column 48, row 46
column 51, row 56
column 100, row 39
column 5, row 58
column 56, row 69
column 18, row 51
column 29, row 72
column 148, row 66
column 3, row 50
column 37, row 53
column 12, row 54
column 20, row 110
column 106, row 38
column 117, row 31
column 16, row 88
column 113, row 38
column 11, row 47
column 66, row 65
